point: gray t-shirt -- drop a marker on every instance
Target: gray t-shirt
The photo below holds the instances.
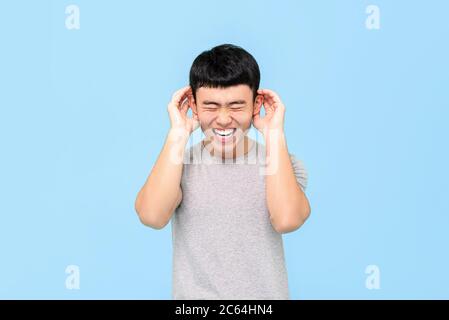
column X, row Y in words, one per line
column 224, row 246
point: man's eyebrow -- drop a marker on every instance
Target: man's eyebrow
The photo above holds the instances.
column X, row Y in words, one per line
column 237, row 102
column 210, row 102
column 229, row 103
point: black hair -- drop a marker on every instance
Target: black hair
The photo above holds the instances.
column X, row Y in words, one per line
column 224, row 66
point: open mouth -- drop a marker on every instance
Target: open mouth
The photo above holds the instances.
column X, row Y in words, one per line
column 224, row 135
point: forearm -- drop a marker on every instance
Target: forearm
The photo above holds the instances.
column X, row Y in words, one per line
column 287, row 203
column 156, row 200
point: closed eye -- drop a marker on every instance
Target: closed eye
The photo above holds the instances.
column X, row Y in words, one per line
column 213, row 106
column 210, row 106
column 237, row 105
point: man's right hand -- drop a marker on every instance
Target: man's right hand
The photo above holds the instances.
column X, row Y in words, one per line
column 177, row 110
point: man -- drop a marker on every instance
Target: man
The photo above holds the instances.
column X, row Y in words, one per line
column 231, row 198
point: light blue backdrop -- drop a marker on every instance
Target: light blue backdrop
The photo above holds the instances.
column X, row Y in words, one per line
column 83, row 118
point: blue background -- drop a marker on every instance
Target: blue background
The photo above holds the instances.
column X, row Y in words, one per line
column 83, row 119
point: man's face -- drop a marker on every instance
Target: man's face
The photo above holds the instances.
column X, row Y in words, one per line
column 225, row 114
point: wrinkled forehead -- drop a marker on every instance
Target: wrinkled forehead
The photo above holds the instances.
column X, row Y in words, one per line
column 224, row 95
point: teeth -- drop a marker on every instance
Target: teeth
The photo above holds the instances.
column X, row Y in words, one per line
column 226, row 132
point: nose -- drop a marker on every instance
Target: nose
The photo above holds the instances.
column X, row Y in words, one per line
column 223, row 118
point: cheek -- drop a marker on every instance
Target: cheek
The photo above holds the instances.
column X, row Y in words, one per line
column 205, row 118
column 243, row 117
column 206, row 121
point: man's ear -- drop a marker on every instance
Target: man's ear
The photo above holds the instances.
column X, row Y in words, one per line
column 258, row 104
column 192, row 104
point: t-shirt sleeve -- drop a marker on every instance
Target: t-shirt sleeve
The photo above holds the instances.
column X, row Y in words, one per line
column 300, row 172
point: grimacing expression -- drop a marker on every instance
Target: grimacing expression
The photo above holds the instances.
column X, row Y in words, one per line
column 225, row 114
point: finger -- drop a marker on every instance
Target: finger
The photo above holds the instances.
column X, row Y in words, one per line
column 271, row 94
column 179, row 95
column 183, row 98
column 272, row 103
column 184, row 106
column 267, row 100
column 267, row 103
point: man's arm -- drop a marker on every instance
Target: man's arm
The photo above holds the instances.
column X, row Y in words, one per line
column 161, row 193
column 287, row 203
